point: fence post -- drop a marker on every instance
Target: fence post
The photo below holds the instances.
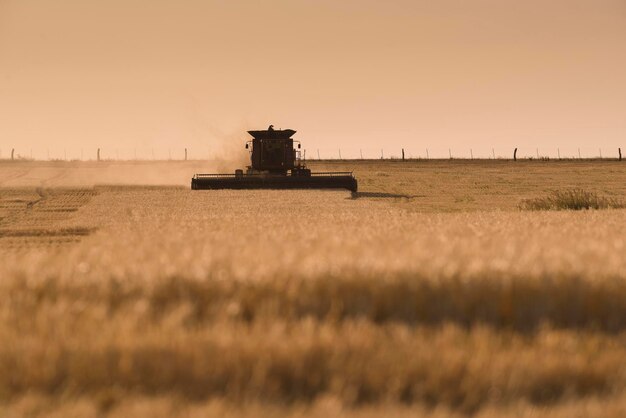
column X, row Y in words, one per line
column 619, row 150
column 537, row 153
column 427, row 156
column 402, row 154
column 493, row 152
column 185, row 154
column 600, row 152
column 98, row 155
column 579, row 153
column 12, row 154
column 471, row 154
column 318, row 154
column 558, row 153
column 450, row 153
column 382, row 154
column 361, row 152
column 515, row 154
column 339, row 153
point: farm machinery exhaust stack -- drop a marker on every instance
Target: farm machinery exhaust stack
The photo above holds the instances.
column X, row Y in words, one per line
column 275, row 164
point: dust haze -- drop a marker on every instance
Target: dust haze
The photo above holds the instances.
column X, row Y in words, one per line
column 228, row 154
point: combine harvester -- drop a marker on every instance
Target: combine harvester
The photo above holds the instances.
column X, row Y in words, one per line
column 275, row 164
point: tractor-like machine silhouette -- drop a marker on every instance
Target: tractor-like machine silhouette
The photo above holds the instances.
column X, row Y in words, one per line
column 275, row 164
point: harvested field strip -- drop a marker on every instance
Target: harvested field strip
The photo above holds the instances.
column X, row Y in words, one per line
column 39, row 217
column 61, row 210
column 22, row 244
column 61, row 232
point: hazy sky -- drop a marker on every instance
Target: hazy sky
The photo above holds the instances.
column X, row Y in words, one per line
column 460, row 74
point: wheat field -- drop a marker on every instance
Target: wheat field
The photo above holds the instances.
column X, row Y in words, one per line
column 428, row 293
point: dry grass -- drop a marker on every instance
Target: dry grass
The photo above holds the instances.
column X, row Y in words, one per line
column 304, row 303
column 572, row 199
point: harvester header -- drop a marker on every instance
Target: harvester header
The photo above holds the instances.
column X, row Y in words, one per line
column 275, row 164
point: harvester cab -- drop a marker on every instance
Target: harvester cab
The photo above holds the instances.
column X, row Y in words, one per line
column 273, row 152
column 275, row 164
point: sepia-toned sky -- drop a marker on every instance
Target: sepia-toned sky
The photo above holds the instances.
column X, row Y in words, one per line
column 349, row 74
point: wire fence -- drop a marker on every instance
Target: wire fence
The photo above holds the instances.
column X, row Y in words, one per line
column 413, row 153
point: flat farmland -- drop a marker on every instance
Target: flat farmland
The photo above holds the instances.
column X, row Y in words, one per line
column 427, row 293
